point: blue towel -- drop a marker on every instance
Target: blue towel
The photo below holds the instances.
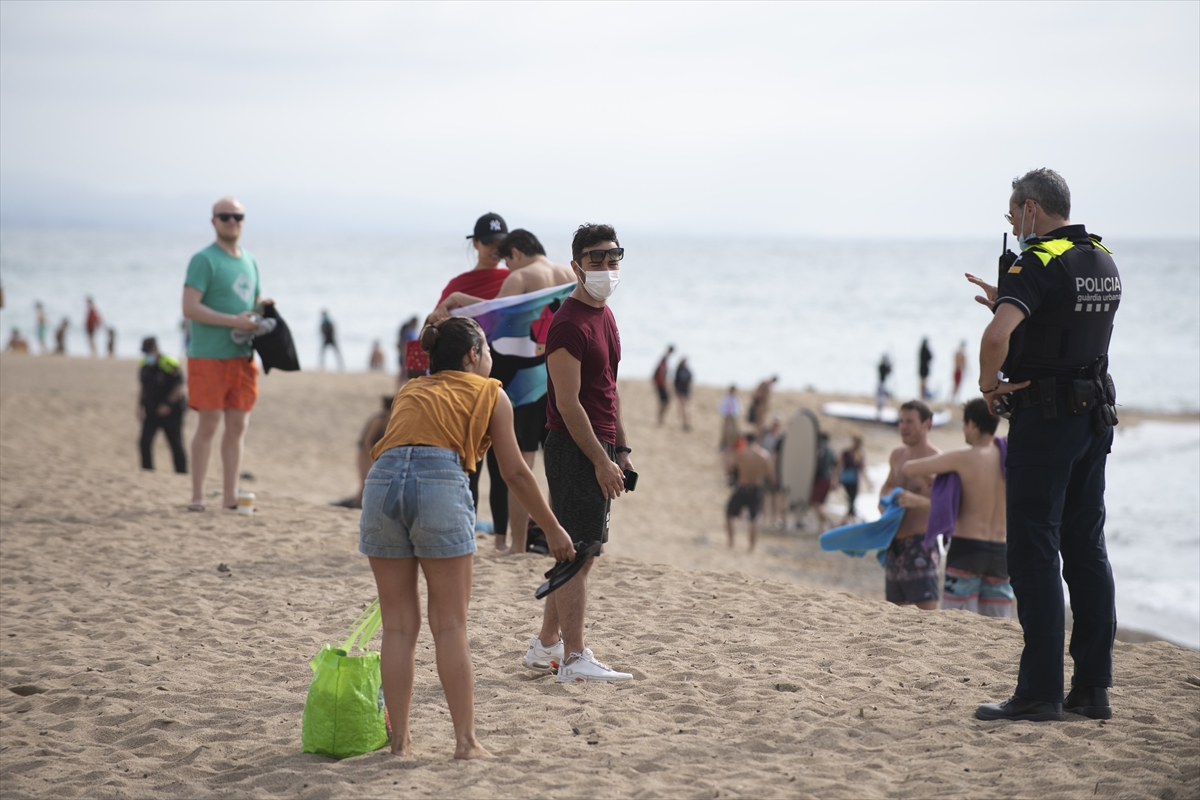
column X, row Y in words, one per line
column 856, row 540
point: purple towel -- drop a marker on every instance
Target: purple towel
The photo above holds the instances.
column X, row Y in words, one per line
column 946, row 496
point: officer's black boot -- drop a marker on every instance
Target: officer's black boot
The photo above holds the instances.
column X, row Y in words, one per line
column 1089, row 702
column 1018, row 708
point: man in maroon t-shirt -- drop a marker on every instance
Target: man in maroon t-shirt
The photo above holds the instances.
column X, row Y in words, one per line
column 586, row 450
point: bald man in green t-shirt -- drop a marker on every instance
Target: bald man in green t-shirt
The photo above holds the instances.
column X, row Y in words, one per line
column 221, row 292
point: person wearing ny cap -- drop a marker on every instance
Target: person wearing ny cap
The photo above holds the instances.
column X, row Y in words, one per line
column 484, row 282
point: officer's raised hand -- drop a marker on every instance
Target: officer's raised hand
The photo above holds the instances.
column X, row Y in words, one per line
column 988, row 298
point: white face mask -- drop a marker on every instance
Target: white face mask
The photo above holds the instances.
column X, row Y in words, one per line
column 602, row 284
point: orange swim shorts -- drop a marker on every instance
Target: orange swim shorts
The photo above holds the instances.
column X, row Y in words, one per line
column 215, row 384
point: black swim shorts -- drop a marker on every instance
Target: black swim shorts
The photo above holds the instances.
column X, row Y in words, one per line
column 575, row 496
column 745, row 497
column 529, row 421
column 663, row 396
column 978, row 557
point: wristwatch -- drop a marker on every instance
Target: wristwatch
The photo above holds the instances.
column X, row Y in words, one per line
column 622, row 449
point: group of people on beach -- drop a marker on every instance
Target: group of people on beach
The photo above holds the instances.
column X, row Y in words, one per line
column 448, row 418
column 454, row 413
column 92, row 325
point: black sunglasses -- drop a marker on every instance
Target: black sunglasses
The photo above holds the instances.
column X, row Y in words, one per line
column 599, row 256
column 225, row 217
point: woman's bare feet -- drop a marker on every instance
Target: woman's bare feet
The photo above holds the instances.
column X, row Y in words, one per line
column 403, row 747
column 470, row 749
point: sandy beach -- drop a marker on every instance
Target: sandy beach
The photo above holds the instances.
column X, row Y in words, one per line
column 147, row 652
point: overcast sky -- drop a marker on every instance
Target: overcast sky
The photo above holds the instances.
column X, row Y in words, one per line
column 852, row 119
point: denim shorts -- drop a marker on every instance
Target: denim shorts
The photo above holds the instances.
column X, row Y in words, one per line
column 417, row 502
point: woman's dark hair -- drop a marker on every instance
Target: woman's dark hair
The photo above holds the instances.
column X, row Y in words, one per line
column 449, row 341
column 522, row 240
column 588, row 234
column 977, row 411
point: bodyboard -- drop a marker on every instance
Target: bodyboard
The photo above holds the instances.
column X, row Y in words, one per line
column 865, row 413
column 798, row 460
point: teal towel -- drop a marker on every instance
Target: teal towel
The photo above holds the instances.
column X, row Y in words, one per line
column 856, row 540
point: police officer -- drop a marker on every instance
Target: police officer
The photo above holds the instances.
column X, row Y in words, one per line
column 161, row 404
column 1044, row 358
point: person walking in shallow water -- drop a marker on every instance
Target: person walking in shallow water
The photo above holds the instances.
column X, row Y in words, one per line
column 92, row 323
column 328, row 340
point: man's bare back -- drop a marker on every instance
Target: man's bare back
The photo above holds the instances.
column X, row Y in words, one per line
column 981, row 511
column 540, row 273
column 753, row 465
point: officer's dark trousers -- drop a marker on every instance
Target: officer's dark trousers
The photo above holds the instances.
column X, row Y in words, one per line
column 1056, row 504
column 172, row 426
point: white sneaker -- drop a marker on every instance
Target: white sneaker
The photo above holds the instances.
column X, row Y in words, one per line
column 585, row 667
column 540, row 658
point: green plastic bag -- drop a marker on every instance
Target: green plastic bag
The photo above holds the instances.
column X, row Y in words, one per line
column 344, row 714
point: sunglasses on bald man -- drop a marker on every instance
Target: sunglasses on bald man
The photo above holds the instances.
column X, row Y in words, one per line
column 225, row 217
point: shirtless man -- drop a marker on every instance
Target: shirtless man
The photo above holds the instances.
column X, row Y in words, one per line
column 977, row 562
column 753, row 466
column 529, row 271
column 911, row 571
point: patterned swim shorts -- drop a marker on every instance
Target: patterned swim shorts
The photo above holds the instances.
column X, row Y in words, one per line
column 911, row 571
column 215, row 384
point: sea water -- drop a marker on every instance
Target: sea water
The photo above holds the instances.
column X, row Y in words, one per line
column 816, row 313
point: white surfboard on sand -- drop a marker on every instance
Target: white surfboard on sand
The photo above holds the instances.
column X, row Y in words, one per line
column 866, row 413
column 798, row 464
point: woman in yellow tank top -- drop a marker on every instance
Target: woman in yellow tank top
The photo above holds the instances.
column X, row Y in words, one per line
column 417, row 510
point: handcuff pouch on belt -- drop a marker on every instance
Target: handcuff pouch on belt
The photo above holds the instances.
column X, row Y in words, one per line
column 1093, row 393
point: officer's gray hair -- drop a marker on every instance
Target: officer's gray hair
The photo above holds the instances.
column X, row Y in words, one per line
column 1046, row 188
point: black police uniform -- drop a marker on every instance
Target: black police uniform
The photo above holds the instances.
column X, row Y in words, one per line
column 159, row 378
column 1060, row 434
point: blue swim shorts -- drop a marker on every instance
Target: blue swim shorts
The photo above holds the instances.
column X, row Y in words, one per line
column 417, row 502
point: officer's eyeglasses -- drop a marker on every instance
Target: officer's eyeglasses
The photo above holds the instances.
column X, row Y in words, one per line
column 224, row 217
column 599, row 256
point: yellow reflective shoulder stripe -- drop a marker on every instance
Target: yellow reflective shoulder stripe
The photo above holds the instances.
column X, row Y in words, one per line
column 1051, row 249
column 1102, row 247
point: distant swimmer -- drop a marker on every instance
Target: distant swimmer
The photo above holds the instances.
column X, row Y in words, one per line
column 17, row 343
column 529, row 271
column 924, row 358
column 92, row 323
column 60, row 337
column 753, row 466
column 683, row 392
column 730, row 410
column 375, row 361
column 960, row 366
column 881, row 388
column 42, row 327
column 911, row 571
column 660, row 384
column 760, row 404
column 977, row 561
column 328, row 340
